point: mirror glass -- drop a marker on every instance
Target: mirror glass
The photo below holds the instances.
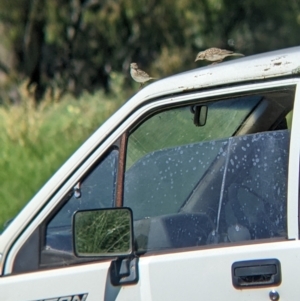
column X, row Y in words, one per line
column 103, row 232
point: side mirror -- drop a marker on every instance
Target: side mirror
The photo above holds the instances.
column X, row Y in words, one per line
column 103, row 232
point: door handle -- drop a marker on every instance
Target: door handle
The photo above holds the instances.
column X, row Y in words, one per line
column 254, row 273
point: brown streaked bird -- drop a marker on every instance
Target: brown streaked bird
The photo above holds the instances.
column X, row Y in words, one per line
column 139, row 75
column 215, row 55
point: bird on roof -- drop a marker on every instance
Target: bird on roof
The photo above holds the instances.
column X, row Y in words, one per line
column 215, row 55
column 139, row 75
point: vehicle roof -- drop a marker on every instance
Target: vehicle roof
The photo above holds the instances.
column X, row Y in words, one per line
column 277, row 63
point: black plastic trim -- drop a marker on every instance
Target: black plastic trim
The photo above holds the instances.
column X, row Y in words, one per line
column 256, row 273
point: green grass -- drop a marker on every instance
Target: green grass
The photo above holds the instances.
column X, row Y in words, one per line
column 35, row 142
column 101, row 232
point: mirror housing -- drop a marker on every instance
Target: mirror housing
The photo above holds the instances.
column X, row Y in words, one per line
column 103, row 232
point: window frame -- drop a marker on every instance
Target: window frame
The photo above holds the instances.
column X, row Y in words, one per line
column 51, row 202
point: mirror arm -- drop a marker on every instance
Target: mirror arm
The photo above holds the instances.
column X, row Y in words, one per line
column 124, row 271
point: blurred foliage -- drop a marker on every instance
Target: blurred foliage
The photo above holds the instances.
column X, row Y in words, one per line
column 74, row 45
column 36, row 141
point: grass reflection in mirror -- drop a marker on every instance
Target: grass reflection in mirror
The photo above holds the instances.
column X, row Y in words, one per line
column 104, row 232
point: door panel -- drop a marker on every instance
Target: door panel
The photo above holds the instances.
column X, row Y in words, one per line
column 207, row 273
column 178, row 276
column 88, row 282
column 57, row 283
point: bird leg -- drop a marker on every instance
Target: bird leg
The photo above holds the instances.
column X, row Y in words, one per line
column 217, row 62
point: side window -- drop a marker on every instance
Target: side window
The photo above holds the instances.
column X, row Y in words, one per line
column 221, row 181
column 53, row 246
column 96, row 190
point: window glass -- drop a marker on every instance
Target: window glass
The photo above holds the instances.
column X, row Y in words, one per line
column 224, row 181
column 96, row 190
column 176, row 127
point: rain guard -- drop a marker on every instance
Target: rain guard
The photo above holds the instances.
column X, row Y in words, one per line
column 210, row 192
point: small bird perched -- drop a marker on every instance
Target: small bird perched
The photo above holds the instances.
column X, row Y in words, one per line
column 215, row 55
column 139, row 75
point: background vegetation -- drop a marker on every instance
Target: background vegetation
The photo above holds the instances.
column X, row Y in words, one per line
column 64, row 67
column 74, row 45
column 36, row 141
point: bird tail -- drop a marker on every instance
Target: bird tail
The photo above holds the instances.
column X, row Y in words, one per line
column 237, row 54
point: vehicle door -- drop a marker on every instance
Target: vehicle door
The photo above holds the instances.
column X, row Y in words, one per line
column 213, row 186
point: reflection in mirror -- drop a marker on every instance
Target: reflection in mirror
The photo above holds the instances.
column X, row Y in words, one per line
column 103, row 232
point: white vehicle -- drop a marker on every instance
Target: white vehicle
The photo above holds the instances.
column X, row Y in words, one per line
column 189, row 191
